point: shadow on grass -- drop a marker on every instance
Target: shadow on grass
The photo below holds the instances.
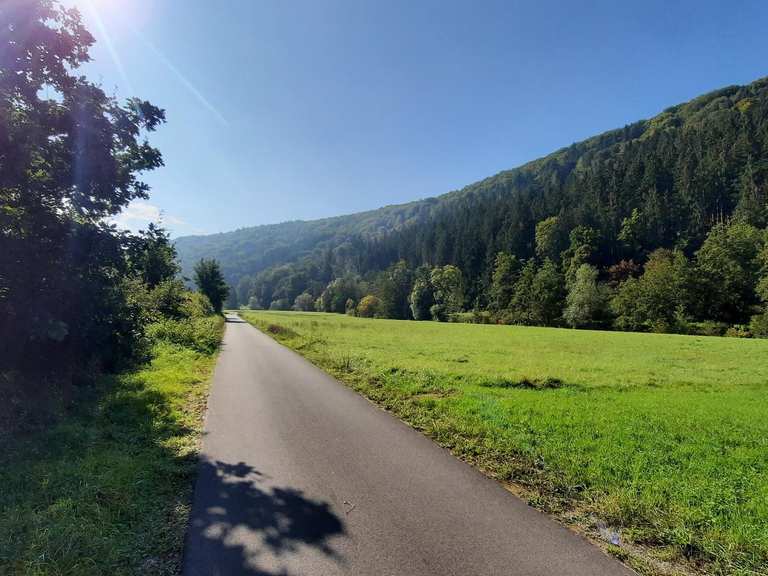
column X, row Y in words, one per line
column 117, row 463
column 238, row 526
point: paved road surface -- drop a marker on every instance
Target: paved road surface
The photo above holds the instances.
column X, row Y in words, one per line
column 301, row 476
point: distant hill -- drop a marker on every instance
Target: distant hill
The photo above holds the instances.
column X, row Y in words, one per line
column 250, row 250
column 669, row 179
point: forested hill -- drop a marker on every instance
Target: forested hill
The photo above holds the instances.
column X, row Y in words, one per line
column 250, row 250
column 663, row 182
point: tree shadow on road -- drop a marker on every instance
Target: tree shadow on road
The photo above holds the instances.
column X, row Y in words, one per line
column 231, row 506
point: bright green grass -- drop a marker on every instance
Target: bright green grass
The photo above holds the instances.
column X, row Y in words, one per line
column 664, row 437
column 107, row 490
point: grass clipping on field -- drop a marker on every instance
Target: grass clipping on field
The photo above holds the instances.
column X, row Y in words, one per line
column 107, row 489
column 655, row 444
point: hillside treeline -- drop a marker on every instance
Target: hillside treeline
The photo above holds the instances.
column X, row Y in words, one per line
column 680, row 198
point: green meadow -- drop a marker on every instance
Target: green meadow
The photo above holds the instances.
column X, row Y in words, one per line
column 660, row 439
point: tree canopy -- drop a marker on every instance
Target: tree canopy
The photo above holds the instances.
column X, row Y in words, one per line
column 70, row 157
column 210, row 282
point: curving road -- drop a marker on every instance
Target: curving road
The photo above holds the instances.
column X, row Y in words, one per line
column 302, row 476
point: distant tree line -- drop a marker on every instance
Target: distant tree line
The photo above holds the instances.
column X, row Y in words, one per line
column 658, row 226
column 723, row 285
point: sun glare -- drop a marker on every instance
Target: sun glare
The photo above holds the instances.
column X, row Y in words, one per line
column 121, row 16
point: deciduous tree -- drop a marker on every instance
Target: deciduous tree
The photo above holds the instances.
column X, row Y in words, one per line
column 586, row 300
column 727, row 272
column 304, row 302
column 369, row 306
column 210, row 282
column 506, row 271
column 70, row 158
column 422, row 296
column 659, row 298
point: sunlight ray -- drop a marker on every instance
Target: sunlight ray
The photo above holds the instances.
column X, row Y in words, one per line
column 104, row 32
column 199, row 96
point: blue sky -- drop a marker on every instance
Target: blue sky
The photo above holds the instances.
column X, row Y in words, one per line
column 303, row 109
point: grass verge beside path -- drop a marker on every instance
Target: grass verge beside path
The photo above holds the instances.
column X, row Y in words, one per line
column 659, row 442
column 107, row 489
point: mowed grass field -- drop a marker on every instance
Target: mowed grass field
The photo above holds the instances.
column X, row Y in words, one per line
column 661, row 440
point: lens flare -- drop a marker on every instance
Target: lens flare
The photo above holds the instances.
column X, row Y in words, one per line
column 184, row 81
column 114, row 19
column 93, row 13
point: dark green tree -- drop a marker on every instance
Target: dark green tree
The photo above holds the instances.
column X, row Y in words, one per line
column 152, row 256
column 210, row 282
column 393, row 288
column 759, row 323
column 548, row 238
column 659, row 300
column 521, row 309
column 583, row 244
column 506, row 271
column 727, row 272
column 548, row 294
column 70, row 158
column 753, row 200
column 630, row 232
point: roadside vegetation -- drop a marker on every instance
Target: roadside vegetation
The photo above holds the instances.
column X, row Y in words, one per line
column 655, row 442
column 105, row 352
column 107, row 488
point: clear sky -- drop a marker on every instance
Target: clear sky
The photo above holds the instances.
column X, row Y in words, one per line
column 287, row 110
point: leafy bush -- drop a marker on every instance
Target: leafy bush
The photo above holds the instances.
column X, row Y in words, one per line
column 738, row 332
column 474, row 317
column 369, row 307
column 710, row 328
column 165, row 300
column 196, row 305
column 168, row 298
column 759, row 325
column 280, row 304
column 200, row 334
column 304, row 302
